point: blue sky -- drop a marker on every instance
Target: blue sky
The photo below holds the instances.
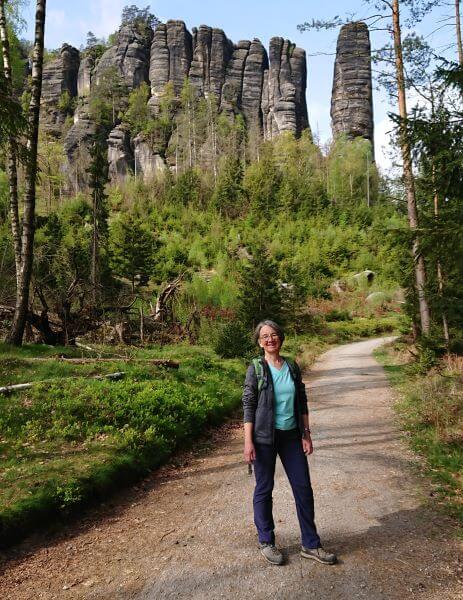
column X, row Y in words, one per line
column 69, row 21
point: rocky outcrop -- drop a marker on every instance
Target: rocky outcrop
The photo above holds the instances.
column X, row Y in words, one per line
column 211, row 52
column 253, row 81
column 120, row 156
column 77, row 143
column 284, row 105
column 352, row 99
column 148, row 163
column 232, row 90
column 131, row 56
column 171, row 55
column 268, row 90
column 271, row 96
column 84, row 78
column 59, row 78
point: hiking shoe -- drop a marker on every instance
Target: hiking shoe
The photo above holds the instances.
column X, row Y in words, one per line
column 319, row 554
column 271, row 553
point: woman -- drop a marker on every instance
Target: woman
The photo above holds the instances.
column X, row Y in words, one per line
column 276, row 421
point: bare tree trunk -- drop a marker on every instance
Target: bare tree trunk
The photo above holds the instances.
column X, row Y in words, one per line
column 458, row 25
column 11, row 154
column 419, row 265
column 16, row 333
column 95, row 275
column 440, row 276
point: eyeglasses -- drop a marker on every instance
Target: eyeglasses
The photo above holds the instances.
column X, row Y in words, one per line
column 268, row 336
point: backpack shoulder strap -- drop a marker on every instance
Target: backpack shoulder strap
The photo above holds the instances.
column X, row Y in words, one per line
column 291, row 364
column 259, row 369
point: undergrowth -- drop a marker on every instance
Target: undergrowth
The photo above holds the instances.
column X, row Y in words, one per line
column 430, row 407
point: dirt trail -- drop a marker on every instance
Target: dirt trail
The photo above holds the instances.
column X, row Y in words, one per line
column 188, row 532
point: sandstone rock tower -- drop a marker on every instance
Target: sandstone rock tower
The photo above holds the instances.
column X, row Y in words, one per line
column 352, row 99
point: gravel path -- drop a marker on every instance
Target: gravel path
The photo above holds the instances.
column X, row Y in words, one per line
column 187, row 532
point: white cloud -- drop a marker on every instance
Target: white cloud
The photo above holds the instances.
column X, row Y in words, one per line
column 104, row 18
column 383, row 156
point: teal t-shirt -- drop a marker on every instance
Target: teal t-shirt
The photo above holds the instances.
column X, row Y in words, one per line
column 284, row 390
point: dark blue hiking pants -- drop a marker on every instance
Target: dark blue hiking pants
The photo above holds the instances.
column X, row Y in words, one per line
column 288, row 446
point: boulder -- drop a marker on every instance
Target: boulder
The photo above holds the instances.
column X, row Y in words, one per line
column 352, row 97
column 120, row 156
column 367, row 275
column 377, row 298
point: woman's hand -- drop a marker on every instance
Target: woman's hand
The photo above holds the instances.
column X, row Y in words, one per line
column 249, row 452
column 307, row 445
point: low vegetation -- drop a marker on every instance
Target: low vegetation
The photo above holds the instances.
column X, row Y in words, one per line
column 430, row 406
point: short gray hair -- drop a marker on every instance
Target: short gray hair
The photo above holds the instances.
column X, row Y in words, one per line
column 279, row 331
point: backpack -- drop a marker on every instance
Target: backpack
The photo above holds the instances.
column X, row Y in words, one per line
column 259, row 369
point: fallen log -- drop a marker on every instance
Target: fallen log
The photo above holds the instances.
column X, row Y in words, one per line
column 172, row 364
column 7, row 389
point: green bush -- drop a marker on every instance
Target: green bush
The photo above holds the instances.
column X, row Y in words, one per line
column 234, row 340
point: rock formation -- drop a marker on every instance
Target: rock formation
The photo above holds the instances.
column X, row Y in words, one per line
column 120, row 156
column 211, row 52
column 76, row 146
column 84, row 78
column 148, row 164
column 253, row 82
column 270, row 97
column 171, row 55
column 268, row 90
column 130, row 55
column 59, row 77
column 352, row 99
column 233, row 86
column 284, row 104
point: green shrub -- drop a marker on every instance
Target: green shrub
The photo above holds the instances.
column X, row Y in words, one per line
column 234, row 340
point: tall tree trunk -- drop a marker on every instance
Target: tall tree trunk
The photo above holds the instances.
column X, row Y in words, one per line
column 27, row 240
column 458, row 25
column 11, row 153
column 440, row 276
column 95, row 271
column 419, row 265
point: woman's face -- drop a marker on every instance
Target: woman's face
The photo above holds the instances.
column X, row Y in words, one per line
column 268, row 339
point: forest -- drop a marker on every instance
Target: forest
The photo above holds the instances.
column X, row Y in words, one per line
column 180, row 264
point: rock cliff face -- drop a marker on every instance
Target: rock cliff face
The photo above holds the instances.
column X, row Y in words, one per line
column 171, row 56
column 268, row 89
column 59, row 77
column 76, row 144
column 271, row 97
column 352, row 99
column 284, row 105
column 84, row 77
column 120, row 155
column 148, row 164
column 131, row 56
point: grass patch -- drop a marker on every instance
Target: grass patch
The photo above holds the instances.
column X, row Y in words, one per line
column 431, row 410
column 69, row 441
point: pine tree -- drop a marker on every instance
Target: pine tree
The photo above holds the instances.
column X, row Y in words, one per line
column 98, row 171
column 259, row 294
column 131, row 249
